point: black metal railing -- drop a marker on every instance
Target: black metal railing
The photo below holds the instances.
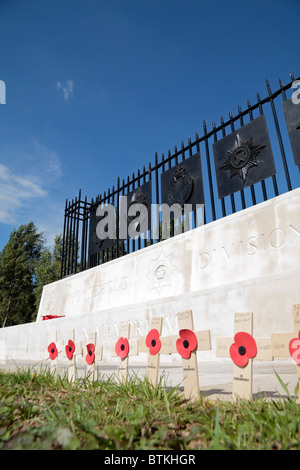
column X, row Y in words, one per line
column 81, row 248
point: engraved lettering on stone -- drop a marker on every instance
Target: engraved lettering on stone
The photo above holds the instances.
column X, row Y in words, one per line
column 255, row 244
column 277, row 237
column 113, row 286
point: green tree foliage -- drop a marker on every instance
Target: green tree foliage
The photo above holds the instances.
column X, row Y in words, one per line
column 17, row 275
column 48, row 268
column 26, row 265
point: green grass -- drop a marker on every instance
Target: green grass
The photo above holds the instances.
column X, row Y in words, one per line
column 38, row 411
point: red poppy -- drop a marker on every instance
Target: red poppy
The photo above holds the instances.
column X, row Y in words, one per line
column 122, row 347
column 70, row 348
column 186, row 343
column 294, row 348
column 153, row 342
column 53, row 351
column 243, row 349
column 90, row 357
column 49, row 317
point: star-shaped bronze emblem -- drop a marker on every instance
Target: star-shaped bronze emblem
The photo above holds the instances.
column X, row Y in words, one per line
column 242, row 157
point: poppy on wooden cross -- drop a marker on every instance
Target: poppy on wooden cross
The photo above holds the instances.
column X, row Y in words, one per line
column 124, row 348
column 242, row 349
column 288, row 344
column 54, row 348
column 70, row 351
column 152, row 345
column 187, row 345
column 94, row 352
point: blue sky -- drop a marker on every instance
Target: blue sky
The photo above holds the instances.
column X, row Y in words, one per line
column 95, row 87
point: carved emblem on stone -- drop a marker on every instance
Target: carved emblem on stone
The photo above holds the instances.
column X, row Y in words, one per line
column 242, row 157
column 161, row 273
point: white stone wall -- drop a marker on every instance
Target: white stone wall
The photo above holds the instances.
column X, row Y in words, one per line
column 248, row 261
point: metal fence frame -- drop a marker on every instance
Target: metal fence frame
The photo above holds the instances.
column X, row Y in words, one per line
column 77, row 212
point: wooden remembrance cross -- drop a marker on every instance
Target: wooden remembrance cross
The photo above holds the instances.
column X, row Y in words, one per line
column 187, row 345
column 152, row 345
column 94, row 352
column 288, row 344
column 242, row 349
column 70, row 351
column 186, row 349
column 53, row 350
column 124, row 348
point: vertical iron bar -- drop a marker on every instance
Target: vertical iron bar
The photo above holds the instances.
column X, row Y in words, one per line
column 287, row 176
column 77, row 231
column 263, row 184
column 182, row 151
column 215, row 140
column 69, row 226
column 176, row 156
column 184, row 219
column 73, row 235
column 209, row 173
column 157, row 194
column 123, row 241
column 146, row 234
column 194, row 211
column 190, row 147
column 150, row 179
column 198, row 150
column 274, row 176
column 104, row 252
column 118, row 218
column 83, row 248
column 282, row 90
column 232, row 195
column 133, row 188
column 113, row 253
column 128, row 190
column 139, row 184
column 62, row 267
column 110, row 249
column 251, row 186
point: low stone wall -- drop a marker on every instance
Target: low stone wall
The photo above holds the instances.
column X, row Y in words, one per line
column 248, row 261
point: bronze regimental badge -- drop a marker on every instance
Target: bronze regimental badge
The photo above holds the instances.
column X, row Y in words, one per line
column 180, row 187
column 139, row 221
column 183, row 184
column 137, row 224
column 243, row 157
column 96, row 244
